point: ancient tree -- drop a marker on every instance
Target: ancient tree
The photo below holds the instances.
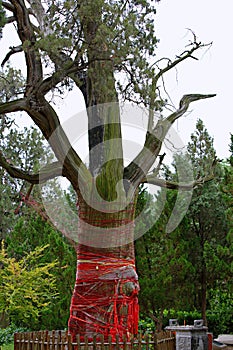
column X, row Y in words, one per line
column 105, row 48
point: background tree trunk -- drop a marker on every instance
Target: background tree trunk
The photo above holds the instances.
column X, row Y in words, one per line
column 204, row 294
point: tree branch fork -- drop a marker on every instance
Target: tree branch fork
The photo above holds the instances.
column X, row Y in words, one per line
column 55, row 169
column 37, row 87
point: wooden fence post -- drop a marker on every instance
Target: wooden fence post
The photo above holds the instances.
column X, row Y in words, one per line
column 109, row 347
column 15, row 341
column 155, row 340
column 102, row 341
column 94, row 342
column 86, row 342
column 117, row 341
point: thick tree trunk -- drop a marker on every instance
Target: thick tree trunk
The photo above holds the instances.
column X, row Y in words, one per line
column 105, row 297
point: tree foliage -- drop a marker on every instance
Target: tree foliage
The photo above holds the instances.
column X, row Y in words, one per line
column 164, row 266
column 227, row 189
column 100, row 40
column 31, row 232
column 208, row 226
column 20, row 147
column 27, row 286
column 190, row 268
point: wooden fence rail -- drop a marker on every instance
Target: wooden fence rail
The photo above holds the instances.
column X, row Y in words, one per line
column 60, row 340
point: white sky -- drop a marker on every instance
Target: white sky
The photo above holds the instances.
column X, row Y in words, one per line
column 213, row 73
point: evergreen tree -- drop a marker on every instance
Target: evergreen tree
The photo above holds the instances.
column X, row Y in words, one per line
column 87, row 44
column 191, row 265
column 208, row 226
column 22, row 148
column 164, row 268
column 231, row 151
column 221, row 297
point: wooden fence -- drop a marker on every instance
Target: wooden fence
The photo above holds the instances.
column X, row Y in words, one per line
column 60, row 340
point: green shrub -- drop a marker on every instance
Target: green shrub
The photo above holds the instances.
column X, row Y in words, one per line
column 219, row 314
column 7, row 334
column 146, row 325
column 183, row 317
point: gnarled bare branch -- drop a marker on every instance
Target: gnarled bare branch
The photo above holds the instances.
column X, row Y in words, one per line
column 13, row 50
column 141, row 164
column 8, row 6
column 48, row 172
column 182, row 57
column 27, row 36
column 153, row 180
column 156, row 170
column 13, row 106
column 184, row 105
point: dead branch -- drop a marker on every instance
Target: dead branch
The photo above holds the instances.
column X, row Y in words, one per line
column 153, row 180
column 182, row 57
column 156, row 170
column 141, row 164
column 184, row 105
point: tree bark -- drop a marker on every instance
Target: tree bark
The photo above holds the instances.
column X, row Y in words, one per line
column 203, row 294
column 105, row 297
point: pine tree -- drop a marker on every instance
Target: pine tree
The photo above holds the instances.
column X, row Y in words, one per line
column 208, row 225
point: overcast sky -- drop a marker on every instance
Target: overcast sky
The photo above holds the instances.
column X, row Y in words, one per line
column 213, row 73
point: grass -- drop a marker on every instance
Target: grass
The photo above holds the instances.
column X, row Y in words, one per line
column 7, row 347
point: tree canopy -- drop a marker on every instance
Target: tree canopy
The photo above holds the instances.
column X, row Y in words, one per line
column 101, row 42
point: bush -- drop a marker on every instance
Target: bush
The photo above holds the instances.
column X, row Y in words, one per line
column 146, row 326
column 219, row 314
column 7, row 334
column 27, row 286
column 183, row 317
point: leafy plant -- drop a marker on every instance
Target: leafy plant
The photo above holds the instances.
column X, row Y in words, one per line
column 7, row 334
column 27, row 287
column 219, row 314
column 31, row 232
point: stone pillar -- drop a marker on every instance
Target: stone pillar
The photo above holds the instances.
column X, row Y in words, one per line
column 189, row 337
